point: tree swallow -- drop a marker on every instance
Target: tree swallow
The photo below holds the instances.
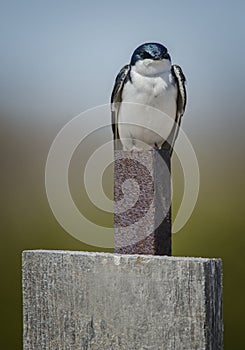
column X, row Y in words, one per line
column 144, row 87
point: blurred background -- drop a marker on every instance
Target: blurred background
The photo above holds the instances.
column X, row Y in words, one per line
column 59, row 58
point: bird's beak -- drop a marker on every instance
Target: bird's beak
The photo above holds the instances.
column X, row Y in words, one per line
column 156, row 58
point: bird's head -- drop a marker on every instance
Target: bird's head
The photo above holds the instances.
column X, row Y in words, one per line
column 151, row 59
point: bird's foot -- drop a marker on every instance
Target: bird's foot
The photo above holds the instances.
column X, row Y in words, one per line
column 155, row 147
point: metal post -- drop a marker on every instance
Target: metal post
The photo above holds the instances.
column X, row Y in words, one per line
column 142, row 195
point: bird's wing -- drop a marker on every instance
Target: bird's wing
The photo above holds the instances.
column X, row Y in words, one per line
column 181, row 103
column 116, row 99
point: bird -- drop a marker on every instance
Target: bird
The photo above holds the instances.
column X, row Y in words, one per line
column 145, row 86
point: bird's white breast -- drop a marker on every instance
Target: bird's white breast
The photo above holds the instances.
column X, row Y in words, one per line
column 143, row 100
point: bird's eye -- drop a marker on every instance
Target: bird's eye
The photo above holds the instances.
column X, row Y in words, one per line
column 145, row 55
column 166, row 55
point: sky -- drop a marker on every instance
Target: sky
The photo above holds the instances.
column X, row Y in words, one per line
column 59, row 58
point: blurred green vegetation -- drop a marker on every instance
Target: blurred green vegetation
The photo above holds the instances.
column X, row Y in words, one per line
column 216, row 228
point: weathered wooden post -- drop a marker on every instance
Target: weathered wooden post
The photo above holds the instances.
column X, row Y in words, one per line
column 79, row 301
